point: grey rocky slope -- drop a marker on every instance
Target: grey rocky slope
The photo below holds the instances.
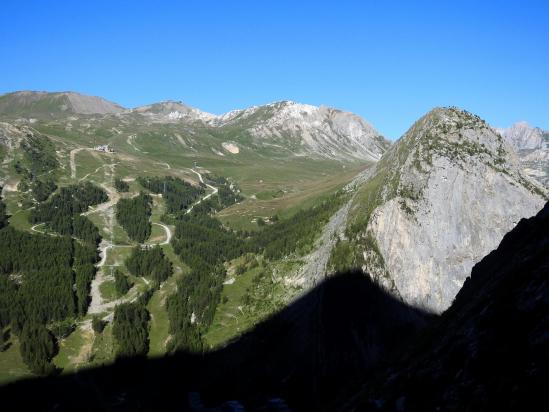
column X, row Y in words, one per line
column 300, row 129
column 532, row 146
column 323, row 131
column 441, row 198
column 522, row 136
column 47, row 105
column 281, row 129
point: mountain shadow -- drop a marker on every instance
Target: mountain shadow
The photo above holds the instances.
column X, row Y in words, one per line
column 490, row 349
column 348, row 345
column 326, row 340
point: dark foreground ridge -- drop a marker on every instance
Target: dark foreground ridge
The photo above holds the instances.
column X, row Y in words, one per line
column 490, row 349
column 328, row 338
column 349, row 345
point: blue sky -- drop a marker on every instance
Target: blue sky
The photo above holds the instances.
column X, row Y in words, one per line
column 387, row 61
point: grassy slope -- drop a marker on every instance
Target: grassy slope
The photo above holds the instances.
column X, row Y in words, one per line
column 11, row 364
column 284, row 185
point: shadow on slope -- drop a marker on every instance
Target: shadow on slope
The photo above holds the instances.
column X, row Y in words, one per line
column 490, row 349
column 324, row 342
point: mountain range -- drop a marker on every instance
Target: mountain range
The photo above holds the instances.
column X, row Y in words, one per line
column 304, row 130
column 217, row 233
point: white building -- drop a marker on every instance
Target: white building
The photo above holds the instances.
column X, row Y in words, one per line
column 104, row 148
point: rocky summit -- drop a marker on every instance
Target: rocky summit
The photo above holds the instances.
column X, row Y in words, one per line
column 439, row 200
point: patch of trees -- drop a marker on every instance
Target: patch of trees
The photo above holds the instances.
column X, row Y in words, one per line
column 3, row 213
column 297, row 233
column 85, row 257
column 178, row 194
column 228, row 193
column 84, row 229
column 62, row 211
column 38, row 347
column 44, row 280
column 203, row 244
column 42, row 265
column 130, row 329
column 121, row 283
column 98, row 324
column 8, row 291
column 150, row 263
column 133, row 214
column 70, row 200
column 39, row 153
column 121, row 186
column 43, row 188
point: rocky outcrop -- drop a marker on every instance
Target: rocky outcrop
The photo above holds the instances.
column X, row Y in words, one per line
column 172, row 111
column 308, row 130
column 440, row 200
column 532, row 146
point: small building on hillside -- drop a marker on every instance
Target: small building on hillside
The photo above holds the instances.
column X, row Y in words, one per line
column 105, row 148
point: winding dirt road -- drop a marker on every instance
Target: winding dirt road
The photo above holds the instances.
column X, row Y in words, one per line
column 213, row 189
column 168, row 233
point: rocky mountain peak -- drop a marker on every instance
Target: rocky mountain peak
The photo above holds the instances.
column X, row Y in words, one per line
column 441, row 198
column 309, row 130
column 522, row 136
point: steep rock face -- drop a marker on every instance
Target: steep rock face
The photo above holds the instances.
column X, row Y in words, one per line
column 45, row 105
column 307, row 130
column 488, row 351
column 441, row 199
column 532, row 146
column 10, row 135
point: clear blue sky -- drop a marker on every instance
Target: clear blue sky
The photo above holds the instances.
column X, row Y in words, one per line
column 387, row 61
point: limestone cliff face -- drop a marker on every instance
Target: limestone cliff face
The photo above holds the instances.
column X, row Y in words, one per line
column 441, row 198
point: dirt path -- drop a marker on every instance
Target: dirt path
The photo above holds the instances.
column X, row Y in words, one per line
column 92, row 173
column 168, row 233
column 130, row 139
column 213, row 189
column 72, row 157
column 114, row 197
column 34, row 229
